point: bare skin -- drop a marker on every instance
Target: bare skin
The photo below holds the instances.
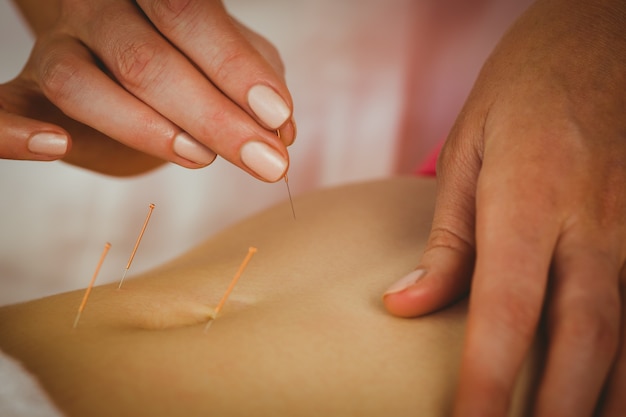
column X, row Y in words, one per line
column 531, row 215
column 153, row 88
column 304, row 331
column 530, row 212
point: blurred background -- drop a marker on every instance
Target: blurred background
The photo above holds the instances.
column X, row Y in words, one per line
column 376, row 84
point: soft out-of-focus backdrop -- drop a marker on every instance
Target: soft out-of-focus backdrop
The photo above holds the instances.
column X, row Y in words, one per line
column 376, row 85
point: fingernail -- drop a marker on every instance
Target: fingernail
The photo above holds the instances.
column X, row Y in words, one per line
column 264, row 160
column 47, row 143
column 268, row 106
column 295, row 129
column 406, row 282
column 187, row 147
column 288, row 132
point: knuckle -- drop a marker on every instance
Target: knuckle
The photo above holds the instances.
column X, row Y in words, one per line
column 166, row 10
column 135, row 63
column 458, row 156
column 443, row 237
column 517, row 317
column 58, row 75
column 211, row 129
column 593, row 330
column 223, row 63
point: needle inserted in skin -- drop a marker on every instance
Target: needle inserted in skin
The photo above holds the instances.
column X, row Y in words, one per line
column 107, row 246
column 251, row 251
column 132, row 255
column 293, row 211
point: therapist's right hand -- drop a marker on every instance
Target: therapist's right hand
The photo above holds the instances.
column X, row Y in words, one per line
column 152, row 81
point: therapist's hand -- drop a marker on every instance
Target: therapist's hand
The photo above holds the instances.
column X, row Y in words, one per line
column 30, row 130
column 180, row 81
column 531, row 216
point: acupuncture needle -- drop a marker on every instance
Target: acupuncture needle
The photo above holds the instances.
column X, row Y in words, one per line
column 132, row 255
column 293, row 211
column 107, row 246
column 251, row 251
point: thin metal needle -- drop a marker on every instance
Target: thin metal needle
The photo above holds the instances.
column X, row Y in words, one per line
column 251, row 251
column 107, row 246
column 132, row 255
column 293, row 211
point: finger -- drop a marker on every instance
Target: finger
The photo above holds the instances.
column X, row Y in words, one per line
column 288, row 132
column 27, row 139
column 517, row 225
column 583, row 325
column 614, row 401
column 159, row 75
column 221, row 47
column 70, row 79
column 264, row 48
column 445, row 269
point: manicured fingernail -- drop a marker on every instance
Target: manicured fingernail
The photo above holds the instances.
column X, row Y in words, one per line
column 288, row 132
column 295, row 129
column 406, row 282
column 187, row 147
column 268, row 106
column 49, row 144
column 264, row 160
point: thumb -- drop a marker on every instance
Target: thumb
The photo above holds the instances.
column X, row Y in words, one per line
column 445, row 270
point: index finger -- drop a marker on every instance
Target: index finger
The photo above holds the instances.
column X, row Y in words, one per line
column 165, row 80
column 205, row 33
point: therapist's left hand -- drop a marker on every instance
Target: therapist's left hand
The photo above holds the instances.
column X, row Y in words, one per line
column 530, row 216
column 34, row 129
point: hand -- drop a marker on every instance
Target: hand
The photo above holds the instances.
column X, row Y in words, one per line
column 181, row 81
column 30, row 130
column 531, row 214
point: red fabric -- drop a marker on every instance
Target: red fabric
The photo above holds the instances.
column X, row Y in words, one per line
column 428, row 168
